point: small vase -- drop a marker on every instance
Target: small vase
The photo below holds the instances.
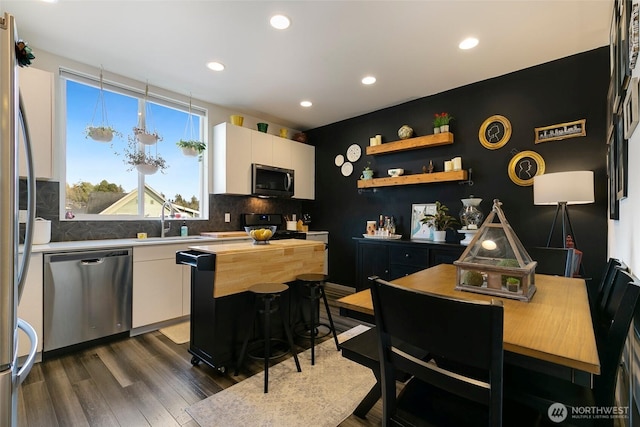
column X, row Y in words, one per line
column 444, row 128
column 439, row 235
column 366, row 174
column 436, row 130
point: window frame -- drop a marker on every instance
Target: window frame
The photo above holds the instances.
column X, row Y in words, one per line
column 171, row 100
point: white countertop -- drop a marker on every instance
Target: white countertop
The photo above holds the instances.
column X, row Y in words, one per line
column 82, row 245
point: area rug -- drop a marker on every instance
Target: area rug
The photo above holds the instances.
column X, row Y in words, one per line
column 179, row 333
column 321, row 395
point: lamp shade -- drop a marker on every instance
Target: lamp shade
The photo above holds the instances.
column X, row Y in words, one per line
column 574, row 188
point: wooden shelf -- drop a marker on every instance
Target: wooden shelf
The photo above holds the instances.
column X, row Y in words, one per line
column 426, row 141
column 418, row 178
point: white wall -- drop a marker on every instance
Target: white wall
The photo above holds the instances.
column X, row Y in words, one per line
column 626, row 231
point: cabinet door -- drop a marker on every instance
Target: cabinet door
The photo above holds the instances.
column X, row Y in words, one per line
column 282, row 152
column 30, row 307
column 231, row 160
column 444, row 255
column 372, row 260
column 36, row 87
column 303, row 162
column 261, row 148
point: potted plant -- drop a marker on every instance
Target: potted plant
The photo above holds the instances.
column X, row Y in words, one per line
column 444, row 119
column 441, row 221
column 191, row 148
column 367, row 172
column 101, row 133
column 437, row 122
column 146, row 137
column 144, row 162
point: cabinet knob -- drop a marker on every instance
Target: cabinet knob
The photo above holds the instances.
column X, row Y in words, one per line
column 407, row 255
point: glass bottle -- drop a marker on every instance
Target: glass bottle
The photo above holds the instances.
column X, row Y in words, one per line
column 470, row 215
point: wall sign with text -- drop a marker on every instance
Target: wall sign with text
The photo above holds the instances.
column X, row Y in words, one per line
column 561, row 131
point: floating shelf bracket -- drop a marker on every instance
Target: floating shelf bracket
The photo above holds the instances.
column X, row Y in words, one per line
column 468, row 180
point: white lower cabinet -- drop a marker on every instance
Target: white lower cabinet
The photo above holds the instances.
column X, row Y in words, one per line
column 31, row 304
column 159, row 285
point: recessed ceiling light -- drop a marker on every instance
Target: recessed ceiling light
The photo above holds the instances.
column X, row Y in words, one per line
column 306, row 103
column 280, row 22
column 215, row 66
column 468, row 43
column 369, row 80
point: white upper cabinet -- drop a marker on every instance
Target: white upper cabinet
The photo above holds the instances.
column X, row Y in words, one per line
column 36, row 88
column 235, row 148
column 231, row 161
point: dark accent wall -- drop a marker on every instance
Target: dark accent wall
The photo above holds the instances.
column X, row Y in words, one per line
column 561, row 91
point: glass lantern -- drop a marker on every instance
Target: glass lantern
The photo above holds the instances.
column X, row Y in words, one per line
column 495, row 261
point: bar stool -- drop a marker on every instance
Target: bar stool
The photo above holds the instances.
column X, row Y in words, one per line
column 265, row 294
column 314, row 282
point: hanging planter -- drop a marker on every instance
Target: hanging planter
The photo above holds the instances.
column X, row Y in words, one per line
column 142, row 132
column 104, row 132
column 140, row 158
column 190, row 146
column 147, row 168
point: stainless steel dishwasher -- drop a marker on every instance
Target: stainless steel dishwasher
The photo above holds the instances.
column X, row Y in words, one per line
column 87, row 295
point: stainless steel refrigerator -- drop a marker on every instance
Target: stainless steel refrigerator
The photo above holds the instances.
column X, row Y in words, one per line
column 12, row 268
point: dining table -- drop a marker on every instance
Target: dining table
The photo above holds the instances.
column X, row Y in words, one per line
column 552, row 333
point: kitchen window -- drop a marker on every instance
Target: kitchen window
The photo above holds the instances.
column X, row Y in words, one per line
column 99, row 183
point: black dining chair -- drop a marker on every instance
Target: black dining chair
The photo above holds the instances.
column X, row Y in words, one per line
column 598, row 295
column 463, row 384
column 554, row 261
column 540, row 391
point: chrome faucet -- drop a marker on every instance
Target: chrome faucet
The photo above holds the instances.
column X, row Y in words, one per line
column 166, row 204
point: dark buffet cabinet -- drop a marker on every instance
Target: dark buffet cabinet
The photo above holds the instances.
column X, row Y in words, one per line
column 391, row 259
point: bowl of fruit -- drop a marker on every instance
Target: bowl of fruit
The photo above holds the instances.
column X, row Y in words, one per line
column 261, row 234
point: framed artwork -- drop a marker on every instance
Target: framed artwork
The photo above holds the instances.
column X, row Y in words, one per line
column 621, row 159
column 614, row 66
column 630, row 108
column 612, row 174
column 419, row 230
column 524, row 166
column 495, row 132
column 561, row 131
column 634, row 41
column 624, row 69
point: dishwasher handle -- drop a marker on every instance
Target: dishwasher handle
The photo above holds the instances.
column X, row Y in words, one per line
column 199, row 260
column 92, row 261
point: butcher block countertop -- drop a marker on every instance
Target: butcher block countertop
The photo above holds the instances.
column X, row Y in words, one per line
column 238, row 266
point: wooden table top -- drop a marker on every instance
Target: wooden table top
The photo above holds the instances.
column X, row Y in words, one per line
column 555, row 326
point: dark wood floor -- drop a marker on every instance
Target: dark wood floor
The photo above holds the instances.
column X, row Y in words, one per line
column 147, row 380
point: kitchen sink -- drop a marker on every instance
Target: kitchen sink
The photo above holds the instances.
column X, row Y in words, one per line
column 172, row 238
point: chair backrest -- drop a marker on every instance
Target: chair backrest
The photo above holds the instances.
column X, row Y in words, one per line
column 461, row 333
column 555, row 261
column 615, row 321
column 606, row 284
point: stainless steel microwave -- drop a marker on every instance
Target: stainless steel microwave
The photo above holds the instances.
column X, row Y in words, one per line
column 270, row 181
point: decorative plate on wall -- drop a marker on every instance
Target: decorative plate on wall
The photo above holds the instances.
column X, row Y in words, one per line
column 495, row 132
column 339, row 160
column 346, row 169
column 524, row 166
column 354, row 152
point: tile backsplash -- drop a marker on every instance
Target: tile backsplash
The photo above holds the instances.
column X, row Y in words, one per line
column 48, row 202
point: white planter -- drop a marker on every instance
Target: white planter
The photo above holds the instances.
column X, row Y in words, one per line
column 436, row 130
column 189, row 151
column 146, row 169
column 444, row 128
column 439, row 236
column 101, row 135
column 147, row 138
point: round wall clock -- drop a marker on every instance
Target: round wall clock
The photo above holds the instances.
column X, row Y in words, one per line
column 354, row 152
column 339, row 160
column 495, row 132
column 524, row 166
column 346, row 169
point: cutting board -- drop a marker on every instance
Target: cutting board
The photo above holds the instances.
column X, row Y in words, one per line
column 220, row 234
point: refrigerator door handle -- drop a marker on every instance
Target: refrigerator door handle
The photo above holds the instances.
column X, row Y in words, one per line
column 31, row 199
column 28, row 364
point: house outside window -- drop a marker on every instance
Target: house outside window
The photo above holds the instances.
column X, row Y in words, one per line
column 100, row 181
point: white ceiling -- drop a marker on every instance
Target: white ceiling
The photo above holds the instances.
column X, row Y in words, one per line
column 410, row 46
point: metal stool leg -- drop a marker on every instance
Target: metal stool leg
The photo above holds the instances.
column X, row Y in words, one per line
column 267, row 340
column 333, row 328
column 287, row 330
column 312, row 292
column 245, row 343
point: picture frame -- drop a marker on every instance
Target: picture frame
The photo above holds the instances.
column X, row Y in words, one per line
column 634, row 39
column 420, row 231
column 495, row 132
column 524, row 166
column 630, row 108
column 612, row 175
column 561, row 131
column 624, row 69
column 621, row 150
column 615, row 65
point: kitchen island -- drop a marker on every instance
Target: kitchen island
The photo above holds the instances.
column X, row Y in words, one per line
column 221, row 308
